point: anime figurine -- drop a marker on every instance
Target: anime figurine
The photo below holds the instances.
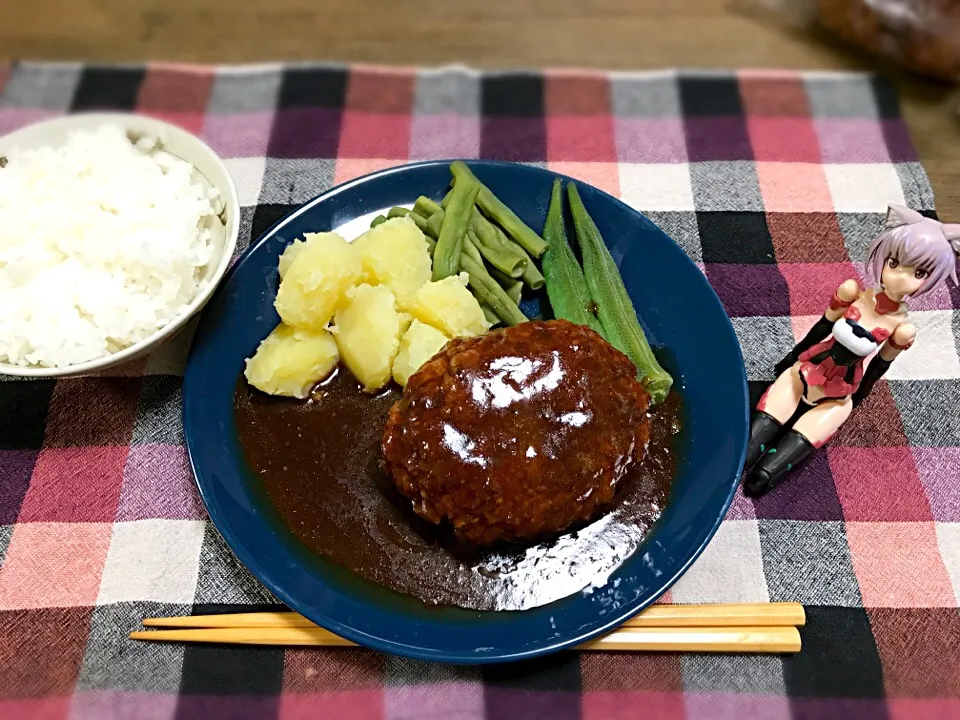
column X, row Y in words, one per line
column 851, row 346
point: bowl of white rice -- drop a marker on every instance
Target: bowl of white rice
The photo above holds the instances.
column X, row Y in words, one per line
column 115, row 229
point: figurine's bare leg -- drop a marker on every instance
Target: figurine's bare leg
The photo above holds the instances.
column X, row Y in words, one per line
column 822, row 422
column 781, row 399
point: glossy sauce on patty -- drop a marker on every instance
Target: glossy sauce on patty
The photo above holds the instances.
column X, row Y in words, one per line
column 517, row 434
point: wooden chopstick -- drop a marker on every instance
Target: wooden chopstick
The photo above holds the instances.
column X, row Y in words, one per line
column 784, row 614
column 685, row 639
column 751, row 628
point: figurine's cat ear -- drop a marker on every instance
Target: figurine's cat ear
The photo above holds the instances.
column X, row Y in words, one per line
column 898, row 215
column 952, row 232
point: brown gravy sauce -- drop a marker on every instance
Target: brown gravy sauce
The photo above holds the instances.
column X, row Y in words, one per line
column 318, row 460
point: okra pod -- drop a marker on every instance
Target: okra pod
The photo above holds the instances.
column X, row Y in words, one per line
column 618, row 317
column 497, row 211
column 566, row 286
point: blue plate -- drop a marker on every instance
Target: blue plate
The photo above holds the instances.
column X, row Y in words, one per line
column 681, row 314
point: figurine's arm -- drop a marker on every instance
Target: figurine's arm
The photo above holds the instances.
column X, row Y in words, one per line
column 902, row 338
column 843, row 298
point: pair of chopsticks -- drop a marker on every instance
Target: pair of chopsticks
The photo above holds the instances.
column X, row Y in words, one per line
column 746, row 628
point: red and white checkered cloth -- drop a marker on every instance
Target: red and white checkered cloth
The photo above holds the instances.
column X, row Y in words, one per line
column 774, row 183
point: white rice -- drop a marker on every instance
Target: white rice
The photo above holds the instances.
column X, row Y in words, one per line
column 102, row 243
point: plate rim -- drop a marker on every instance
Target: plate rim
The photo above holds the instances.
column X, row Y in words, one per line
column 419, row 652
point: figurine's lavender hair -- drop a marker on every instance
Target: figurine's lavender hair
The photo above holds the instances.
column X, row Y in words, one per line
column 917, row 241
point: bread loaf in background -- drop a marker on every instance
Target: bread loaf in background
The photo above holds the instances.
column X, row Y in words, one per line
column 921, row 35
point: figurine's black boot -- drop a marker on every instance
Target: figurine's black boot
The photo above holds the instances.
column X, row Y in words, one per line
column 763, row 430
column 789, row 452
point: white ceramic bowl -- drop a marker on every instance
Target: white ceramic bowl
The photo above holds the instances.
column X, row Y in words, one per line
column 209, row 170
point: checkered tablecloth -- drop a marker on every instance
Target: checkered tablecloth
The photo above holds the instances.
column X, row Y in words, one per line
column 773, row 183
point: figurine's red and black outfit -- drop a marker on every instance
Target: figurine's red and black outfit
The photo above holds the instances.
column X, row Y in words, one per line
column 834, row 368
column 834, row 365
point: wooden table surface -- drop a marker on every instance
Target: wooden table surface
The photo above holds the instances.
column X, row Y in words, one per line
column 613, row 34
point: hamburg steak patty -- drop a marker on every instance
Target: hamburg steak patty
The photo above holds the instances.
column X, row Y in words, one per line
column 519, row 433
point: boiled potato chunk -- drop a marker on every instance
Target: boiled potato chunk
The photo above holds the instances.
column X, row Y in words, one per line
column 448, row 306
column 316, row 279
column 290, row 362
column 405, row 320
column 368, row 334
column 418, row 344
column 287, row 256
column 395, row 254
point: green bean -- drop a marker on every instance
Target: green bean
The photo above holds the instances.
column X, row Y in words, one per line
column 421, row 223
column 500, row 260
column 426, row 207
column 566, row 286
column 486, row 290
column 508, row 262
column 621, row 326
column 435, row 224
column 498, row 212
column 431, row 245
column 484, row 287
column 406, row 212
column 456, row 220
column 532, row 276
column 502, row 278
column 470, row 248
column 512, row 286
column 499, row 250
column 496, row 248
column 515, row 292
column 489, row 314
column 378, row 220
column 531, row 273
